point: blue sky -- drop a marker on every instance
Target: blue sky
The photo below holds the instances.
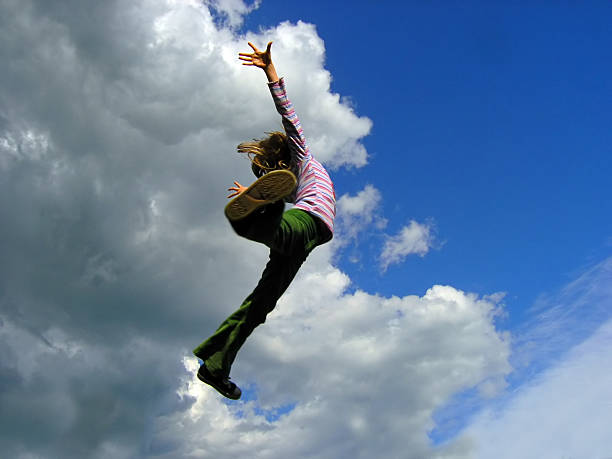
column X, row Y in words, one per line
column 486, row 131
column 490, row 118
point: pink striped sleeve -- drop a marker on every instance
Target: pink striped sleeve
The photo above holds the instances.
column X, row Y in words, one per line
column 291, row 122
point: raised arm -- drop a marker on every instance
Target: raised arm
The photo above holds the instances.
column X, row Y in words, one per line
column 291, row 123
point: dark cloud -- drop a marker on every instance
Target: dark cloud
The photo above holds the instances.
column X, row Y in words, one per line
column 118, row 126
column 76, row 194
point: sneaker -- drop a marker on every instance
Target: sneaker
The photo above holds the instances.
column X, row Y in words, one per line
column 223, row 385
column 270, row 188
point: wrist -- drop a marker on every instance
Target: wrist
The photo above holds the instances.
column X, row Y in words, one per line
column 271, row 73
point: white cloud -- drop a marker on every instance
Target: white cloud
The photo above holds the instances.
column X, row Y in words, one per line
column 563, row 412
column 416, row 238
column 356, row 213
column 233, row 10
column 559, row 396
column 366, row 373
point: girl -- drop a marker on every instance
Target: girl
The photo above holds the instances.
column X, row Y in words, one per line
column 286, row 170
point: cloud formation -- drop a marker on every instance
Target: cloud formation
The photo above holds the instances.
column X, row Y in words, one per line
column 361, row 374
column 356, row 213
column 415, row 238
column 557, row 402
column 118, row 126
column 563, row 412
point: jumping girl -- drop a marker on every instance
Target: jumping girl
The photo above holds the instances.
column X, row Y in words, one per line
column 286, row 171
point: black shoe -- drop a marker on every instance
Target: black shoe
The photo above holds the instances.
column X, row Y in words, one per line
column 223, row 385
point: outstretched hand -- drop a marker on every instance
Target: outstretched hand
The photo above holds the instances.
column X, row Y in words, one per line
column 236, row 189
column 261, row 59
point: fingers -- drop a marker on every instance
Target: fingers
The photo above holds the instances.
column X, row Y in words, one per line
column 248, row 58
column 256, row 58
column 253, row 46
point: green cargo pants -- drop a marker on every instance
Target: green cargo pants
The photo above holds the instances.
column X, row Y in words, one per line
column 291, row 236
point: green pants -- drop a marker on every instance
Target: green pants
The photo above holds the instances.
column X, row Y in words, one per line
column 291, row 236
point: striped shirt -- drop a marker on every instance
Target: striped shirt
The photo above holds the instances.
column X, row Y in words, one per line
column 315, row 191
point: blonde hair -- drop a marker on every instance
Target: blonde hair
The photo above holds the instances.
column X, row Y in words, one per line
column 267, row 154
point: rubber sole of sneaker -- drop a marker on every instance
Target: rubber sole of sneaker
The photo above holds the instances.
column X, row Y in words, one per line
column 206, row 377
column 272, row 187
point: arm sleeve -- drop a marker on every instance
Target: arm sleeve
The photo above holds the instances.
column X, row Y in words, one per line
column 293, row 128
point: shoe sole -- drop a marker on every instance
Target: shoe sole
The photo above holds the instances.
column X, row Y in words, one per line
column 218, row 388
column 270, row 188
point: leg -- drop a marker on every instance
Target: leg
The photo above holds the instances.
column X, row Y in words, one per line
column 219, row 351
column 291, row 242
column 262, row 224
column 286, row 233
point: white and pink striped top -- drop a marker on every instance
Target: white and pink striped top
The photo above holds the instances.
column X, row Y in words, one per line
column 315, row 191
